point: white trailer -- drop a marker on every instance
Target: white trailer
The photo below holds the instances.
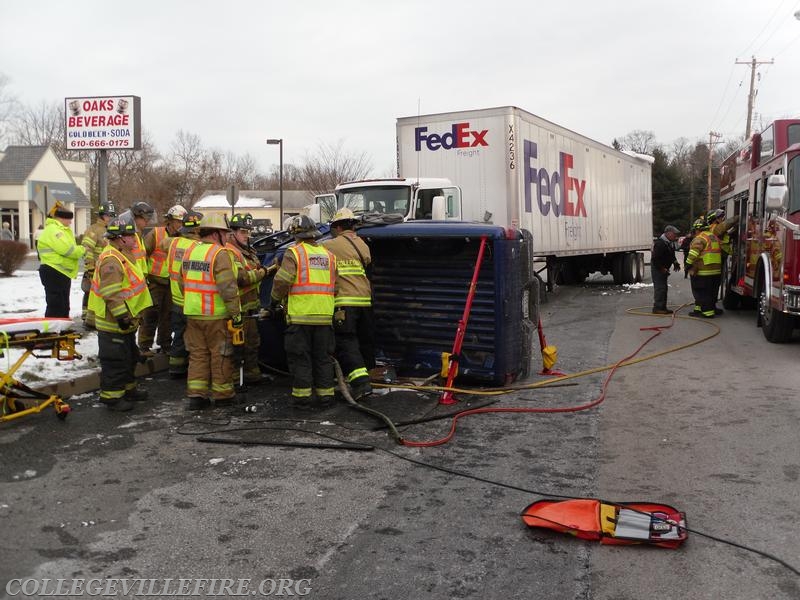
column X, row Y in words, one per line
column 587, row 205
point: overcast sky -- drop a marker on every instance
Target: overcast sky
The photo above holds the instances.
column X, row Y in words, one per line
column 237, row 72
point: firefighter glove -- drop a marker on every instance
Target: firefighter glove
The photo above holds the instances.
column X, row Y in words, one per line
column 339, row 316
column 124, row 322
column 237, row 321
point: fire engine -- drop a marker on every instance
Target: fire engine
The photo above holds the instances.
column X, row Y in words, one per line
column 761, row 183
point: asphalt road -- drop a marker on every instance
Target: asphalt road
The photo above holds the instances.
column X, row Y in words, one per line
column 711, row 429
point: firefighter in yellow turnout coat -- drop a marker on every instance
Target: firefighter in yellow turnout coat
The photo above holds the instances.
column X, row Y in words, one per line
column 175, row 248
column 307, row 278
column 352, row 321
column 94, row 241
column 250, row 273
column 210, row 301
column 117, row 298
column 156, row 324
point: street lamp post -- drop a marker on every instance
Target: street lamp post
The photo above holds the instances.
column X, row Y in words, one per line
column 280, row 179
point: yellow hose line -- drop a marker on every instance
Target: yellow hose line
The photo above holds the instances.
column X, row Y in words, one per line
column 560, row 379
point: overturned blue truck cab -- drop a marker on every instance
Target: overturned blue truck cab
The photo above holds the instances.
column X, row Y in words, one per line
column 421, row 275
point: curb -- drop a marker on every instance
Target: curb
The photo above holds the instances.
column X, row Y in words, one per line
column 91, row 382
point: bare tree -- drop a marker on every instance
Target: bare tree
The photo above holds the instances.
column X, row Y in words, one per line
column 330, row 166
column 638, row 140
column 42, row 125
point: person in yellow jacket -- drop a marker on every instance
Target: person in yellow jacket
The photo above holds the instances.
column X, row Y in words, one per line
column 156, row 325
column 176, row 248
column 117, row 298
column 250, row 273
column 59, row 256
column 94, row 241
column 352, row 321
column 212, row 307
column 704, row 264
column 305, row 284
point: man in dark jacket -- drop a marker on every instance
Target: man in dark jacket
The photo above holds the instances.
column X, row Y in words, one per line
column 662, row 258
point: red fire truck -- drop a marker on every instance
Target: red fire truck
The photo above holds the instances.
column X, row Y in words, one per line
column 761, row 184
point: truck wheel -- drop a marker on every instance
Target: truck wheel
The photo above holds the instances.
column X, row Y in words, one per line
column 776, row 326
column 628, row 268
column 639, row 267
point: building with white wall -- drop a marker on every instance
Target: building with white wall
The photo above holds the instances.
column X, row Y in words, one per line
column 32, row 178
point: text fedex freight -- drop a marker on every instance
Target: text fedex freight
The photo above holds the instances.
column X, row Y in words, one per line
column 588, row 206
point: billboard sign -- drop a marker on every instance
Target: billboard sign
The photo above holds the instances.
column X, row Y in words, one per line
column 103, row 122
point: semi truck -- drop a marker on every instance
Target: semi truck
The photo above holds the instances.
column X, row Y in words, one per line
column 588, row 206
column 760, row 183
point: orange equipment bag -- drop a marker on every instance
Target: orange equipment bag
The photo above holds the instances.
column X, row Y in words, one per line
column 610, row 522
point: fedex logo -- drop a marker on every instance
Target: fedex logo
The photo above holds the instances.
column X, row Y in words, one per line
column 459, row 136
column 558, row 191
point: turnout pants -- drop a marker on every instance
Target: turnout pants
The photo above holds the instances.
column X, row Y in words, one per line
column 118, row 356
column 210, row 349
column 348, row 342
column 704, row 290
column 56, row 291
column 178, row 355
column 252, row 342
column 308, row 352
column 156, row 319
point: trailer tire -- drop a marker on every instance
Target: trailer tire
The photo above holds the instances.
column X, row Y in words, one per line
column 628, row 268
column 639, row 267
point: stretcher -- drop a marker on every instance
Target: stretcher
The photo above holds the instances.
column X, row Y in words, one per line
column 39, row 338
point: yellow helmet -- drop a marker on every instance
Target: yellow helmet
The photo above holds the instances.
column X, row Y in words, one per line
column 343, row 214
column 214, row 221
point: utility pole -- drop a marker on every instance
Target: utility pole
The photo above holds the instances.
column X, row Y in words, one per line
column 711, row 141
column 751, row 97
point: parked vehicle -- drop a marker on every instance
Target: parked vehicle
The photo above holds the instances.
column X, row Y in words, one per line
column 761, row 183
column 587, row 205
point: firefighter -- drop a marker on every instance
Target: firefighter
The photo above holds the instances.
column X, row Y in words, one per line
column 662, row 258
column 142, row 214
column 686, row 243
column 213, row 311
column 705, row 267
column 305, row 284
column 59, row 255
column 352, row 320
column 117, row 298
column 177, row 247
column 156, row 323
column 250, row 273
column 94, row 241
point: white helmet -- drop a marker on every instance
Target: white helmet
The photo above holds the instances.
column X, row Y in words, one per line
column 176, row 212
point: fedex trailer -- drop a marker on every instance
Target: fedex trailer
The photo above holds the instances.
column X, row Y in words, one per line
column 588, row 206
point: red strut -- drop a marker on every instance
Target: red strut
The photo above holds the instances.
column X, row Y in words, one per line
column 447, row 396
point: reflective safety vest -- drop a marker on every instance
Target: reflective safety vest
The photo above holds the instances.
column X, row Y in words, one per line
column 57, row 248
column 352, row 283
column 132, row 290
column 311, row 295
column 201, row 297
column 248, row 293
column 177, row 249
column 157, row 262
column 710, row 258
column 140, row 255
